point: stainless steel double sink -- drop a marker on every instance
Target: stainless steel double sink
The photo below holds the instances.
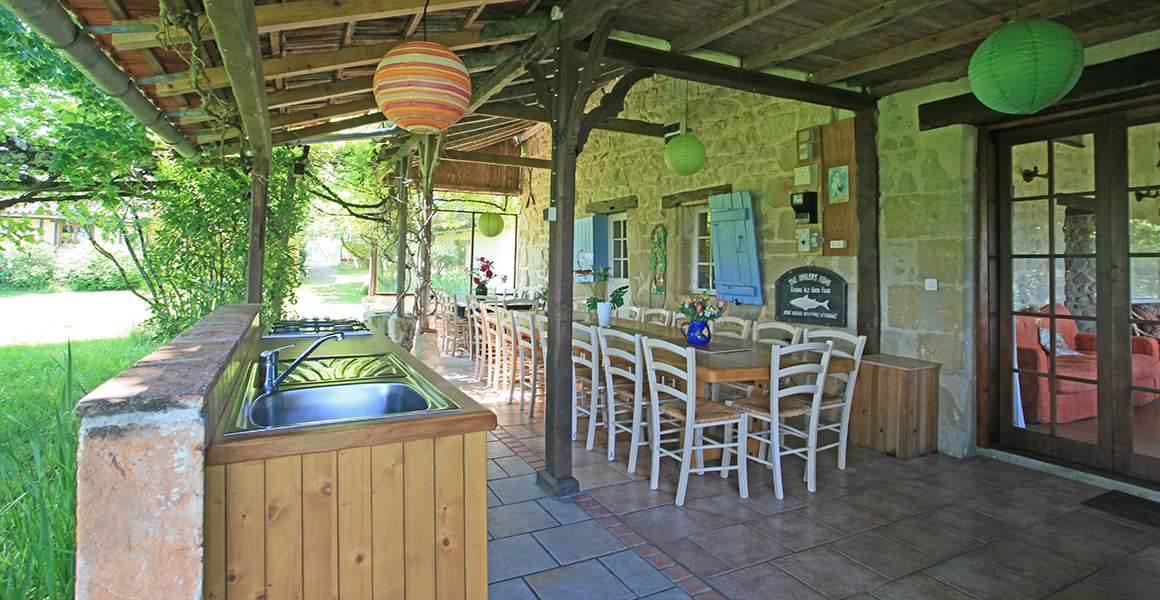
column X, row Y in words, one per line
column 328, row 390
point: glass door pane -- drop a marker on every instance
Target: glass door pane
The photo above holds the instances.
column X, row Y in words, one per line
column 1144, row 258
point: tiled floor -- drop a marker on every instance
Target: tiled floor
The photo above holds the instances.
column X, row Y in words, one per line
column 930, row 528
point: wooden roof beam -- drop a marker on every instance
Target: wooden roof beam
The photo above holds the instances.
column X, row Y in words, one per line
column 496, row 159
column 234, row 23
column 1115, row 28
column 944, row 40
column 538, row 114
column 684, row 67
column 882, row 14
column 302, row 64
column 732, row 20
column 295, row 15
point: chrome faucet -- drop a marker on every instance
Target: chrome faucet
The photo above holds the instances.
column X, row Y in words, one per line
column 270, row 362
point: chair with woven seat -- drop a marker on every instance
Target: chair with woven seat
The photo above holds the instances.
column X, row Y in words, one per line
column 456, row 329
column 730, row 327
column 632, row 313
column 525, row 358
column 772, row 332
column 690, row 414
column 850, row 346
column 586, row 379
column 787, row 399
column 624, row 386
column 658, row 316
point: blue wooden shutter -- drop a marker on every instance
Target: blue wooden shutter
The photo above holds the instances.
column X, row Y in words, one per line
column 590, row 234
column 736, row 271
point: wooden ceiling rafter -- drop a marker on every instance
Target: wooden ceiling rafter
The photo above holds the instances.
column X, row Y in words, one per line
column 297, row 15
column 944, row 40
column 856, row 24
column 744, row 14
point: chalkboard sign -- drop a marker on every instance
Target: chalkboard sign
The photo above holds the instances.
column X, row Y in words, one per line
column 811, row 295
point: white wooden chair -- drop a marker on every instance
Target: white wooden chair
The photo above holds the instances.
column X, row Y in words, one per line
column 481, row 347
column 624, row 386
column 691, row 414
column 678, row 320
column 631, row 313
column 772, row 332
column 730, row 327
column 850, row 346
column 658, row 316
column 527, row 361
column 586, row 379
column 794, row 399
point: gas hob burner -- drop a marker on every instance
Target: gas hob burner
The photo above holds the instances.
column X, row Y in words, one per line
column 316, row 327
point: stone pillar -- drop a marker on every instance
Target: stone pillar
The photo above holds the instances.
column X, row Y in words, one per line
column 1079, row 287
column 140, row 462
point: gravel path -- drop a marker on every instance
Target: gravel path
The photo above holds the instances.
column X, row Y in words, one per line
column 51, row 318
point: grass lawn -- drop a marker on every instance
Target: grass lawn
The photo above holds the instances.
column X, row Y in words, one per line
column 39, row 386
column 339, row 293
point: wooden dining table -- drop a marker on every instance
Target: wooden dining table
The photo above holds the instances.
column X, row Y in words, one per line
column 726, row 360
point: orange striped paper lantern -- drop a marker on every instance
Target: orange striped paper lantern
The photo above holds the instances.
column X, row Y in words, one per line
column 422, row 87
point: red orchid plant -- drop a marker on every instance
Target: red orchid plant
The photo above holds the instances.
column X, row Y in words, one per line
column 485, row 272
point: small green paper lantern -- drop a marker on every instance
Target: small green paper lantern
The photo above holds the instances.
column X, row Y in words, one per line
column 685, row 154
column 1026, row 66
column 490, row 224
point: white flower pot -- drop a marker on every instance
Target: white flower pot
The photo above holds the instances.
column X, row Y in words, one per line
column 604, row 313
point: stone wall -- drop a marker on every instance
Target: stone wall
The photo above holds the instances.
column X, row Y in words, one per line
column 750, row 143
column 927, row 231
column 927, row 215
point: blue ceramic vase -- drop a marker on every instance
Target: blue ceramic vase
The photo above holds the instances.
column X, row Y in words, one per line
column 698, row 333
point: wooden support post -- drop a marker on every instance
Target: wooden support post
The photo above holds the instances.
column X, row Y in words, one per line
column 866, row 171
column 556, row 478
column 428, row 161
column 259, row 197
column 402, row 173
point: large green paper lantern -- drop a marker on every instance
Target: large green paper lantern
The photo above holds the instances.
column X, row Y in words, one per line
column 685, row 154
column 1026, row 66
column 490, row 224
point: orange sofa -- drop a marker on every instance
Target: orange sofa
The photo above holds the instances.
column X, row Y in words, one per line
column 1074, row 400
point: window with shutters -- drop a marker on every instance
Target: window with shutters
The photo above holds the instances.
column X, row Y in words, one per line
column 702, row 261
column 736, row 270
column 618, row 246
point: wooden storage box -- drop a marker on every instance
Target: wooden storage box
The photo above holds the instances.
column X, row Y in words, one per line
column 895, row 407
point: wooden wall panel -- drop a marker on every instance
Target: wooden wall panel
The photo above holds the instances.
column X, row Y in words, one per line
column 319, row 526
column 214, row 586
column 840, row 220
column 419, row 512
column 475, row 513
column 393, row 521
column 449, row 566
column 354, row 518
column 245, row 530
column 284, row 528
column 387, row 508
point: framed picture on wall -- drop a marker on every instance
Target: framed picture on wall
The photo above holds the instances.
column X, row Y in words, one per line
column 839, row 188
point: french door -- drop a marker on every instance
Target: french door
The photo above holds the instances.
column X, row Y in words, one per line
column 1079, row 291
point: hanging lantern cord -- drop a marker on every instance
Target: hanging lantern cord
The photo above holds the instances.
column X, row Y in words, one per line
column 425, row 5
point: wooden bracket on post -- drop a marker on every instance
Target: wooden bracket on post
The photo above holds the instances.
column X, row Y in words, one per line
column 693, row 196
column 607, row 207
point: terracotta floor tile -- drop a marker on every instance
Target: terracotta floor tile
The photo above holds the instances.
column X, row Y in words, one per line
column 999, row 473
column 1109, row 532
column 829, row 572
column 663, row 524
column 594, row 476
column 883, row 555
column 795, row 531
column 968, row 522
column 676, row 573
column 1147, row 560
column 578, row 541
column 1036, row 564
column 982, row 579
column 661, row 561
column 917, row 587
column 1068, row 487
column 959, row 482
column 718, row 511
column 763, row 581
column 634, row 572
column 1059, row 540
column 1030, row 495
column 884, row 503
column 613, row 500
column 1127, row 582
column 710, row 595
column 843, row 517
column 693, row 586
column 639, row 492
column 1007, row 509
column 928, row 537
column 695, row 558
column 514, row 519
column 646, row 550
column 740, row 546
column 924, row 493
column 763, row 500
column 890, row 468
column 1083, row 591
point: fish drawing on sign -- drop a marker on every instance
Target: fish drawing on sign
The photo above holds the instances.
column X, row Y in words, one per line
column 807, row 303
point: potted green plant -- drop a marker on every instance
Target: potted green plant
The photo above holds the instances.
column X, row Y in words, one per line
column 600, row 301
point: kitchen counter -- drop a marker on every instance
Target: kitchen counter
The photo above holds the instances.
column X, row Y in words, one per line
column 261, row 444
column 392, row 508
